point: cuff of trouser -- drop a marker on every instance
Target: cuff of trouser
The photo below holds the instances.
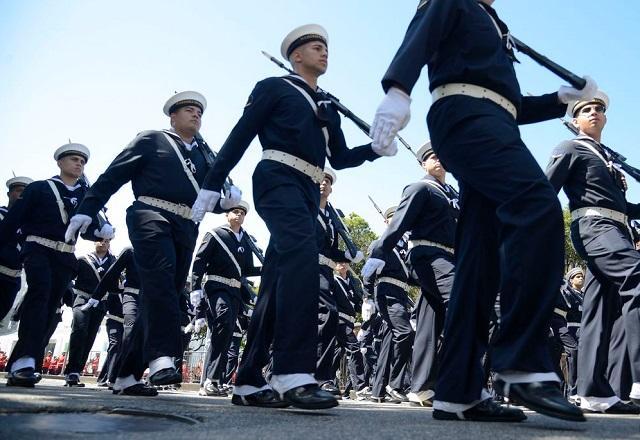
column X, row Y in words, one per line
column 598, row 404
column 459, row 408
column 23, row 362
column 292, row 362
column 160, row 364
column 245, row 390
column 125, row 382
column 514, row 376
column 285, row 382
column 635, row 391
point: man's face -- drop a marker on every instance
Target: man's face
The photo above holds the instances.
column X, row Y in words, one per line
column 342, row 269
column 103, row 246
column 326, row 187
column 591, row 119
column 187, row 119
column 433, row 167
column 72, row 165
column 235, row 217
column 15, row 192
column 313, row 56
column 577, row 281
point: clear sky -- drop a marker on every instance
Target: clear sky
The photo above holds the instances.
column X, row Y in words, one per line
column 99, row 72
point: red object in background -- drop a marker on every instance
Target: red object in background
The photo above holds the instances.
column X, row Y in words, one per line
column 3, row 361
column 94, row 365
column 46, row 363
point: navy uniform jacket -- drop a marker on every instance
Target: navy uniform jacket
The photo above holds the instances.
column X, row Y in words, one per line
column 284, row 120
column 9, row 252
column 356, row 290
column 395, row 267
column 91, row 269
column 37, row 213
column 110, row 280
column 327, row 236
column 573, row 300
column 213, row 259
column 428, row 209
column 586, row 179
column 343, row 296
column 459, row 43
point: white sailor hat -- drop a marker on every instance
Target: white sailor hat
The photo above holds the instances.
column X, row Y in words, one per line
column 573, row 272
column 18, row 181
column 302, row 35
column 72, row 148
column 425, row 151
column 331, row 175
column 388, row 213
column 242, row 205
column 600, row 98
column 183, row 99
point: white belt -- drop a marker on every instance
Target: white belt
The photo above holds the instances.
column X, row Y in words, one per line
column 131, row 290
column 52, row 244
column 14, row 273
column 573, row 324
column 114, row 318
column 347, row 317
column 414, row 243
column 175, row 208
column 404, row 286
column 594, row 211
column 315, row 173
column 237, row 335
column 324, row 261
column 475, row 92
column 560, row 312
column 227, row 281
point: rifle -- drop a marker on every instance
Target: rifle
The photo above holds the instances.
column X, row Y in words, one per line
column 255, row 249
column 375, row 205
column 336, row 217
column 210, row 157
column 362, row 125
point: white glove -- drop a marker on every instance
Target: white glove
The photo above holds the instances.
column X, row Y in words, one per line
column 363, row 350
column 567, row 94
column 205, row 202
column 195, row 297
column 358, row 258
column 392, row 115
column 232, row 197
column 107, row 232
column 78, row 222
column 372, row 265
column 200, row 323
column 367, row 310
column 188, row 329
column 91, row 302
column 390, row 150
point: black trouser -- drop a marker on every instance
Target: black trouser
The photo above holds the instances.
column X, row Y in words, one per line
column 129, row 359
column 327, row 326
column 346, row 341
column 222, row 311
column 233, row 355
column 9, row 288
column 572, row 362
column 48, row 275
column 434, row 270
column 115, row 331
column 84, row 329
column 509, row 238
column 286, row 312
column 395, row 353
column 51, row 328
column 163, row 246
column 562, row 341
column 612, row 292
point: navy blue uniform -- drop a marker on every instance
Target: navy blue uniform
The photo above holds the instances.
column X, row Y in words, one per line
column 510, row 227
column 163, row 241
column 10, row 272
column 86, row 323
column 612, row 282
column 48, row 271
column 287, row 200
column 224, row 255
column 573, row 300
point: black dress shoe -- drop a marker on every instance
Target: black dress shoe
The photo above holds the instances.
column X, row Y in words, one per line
column 623, row 408
column 73, row 380
column 166, row 376
column 485, row 411
column 542, row 397
column 211, row 389
column 138, row 389
column 384, row 399
column 24, row 377
column 264, row 398
column 330, row 388
column 310, row 397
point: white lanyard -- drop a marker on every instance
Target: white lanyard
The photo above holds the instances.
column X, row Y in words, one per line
column 63, row 210
column 186, row 169
column 226, row 249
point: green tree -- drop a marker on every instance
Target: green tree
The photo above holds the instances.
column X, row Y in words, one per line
column 361, row 233
column 571, row 258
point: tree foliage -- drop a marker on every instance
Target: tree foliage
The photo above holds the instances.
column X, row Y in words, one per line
column 361, row 233
column 571, row 258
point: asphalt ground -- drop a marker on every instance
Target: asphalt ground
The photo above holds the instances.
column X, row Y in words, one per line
column 53, row 411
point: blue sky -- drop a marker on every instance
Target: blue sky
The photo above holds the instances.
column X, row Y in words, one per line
column 99, row 72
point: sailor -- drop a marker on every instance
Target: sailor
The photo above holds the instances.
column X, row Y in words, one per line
column 600, row 234
column 510, row 227
column 87, row 313
column 166, row 169
column 223, row 259
column 42, row 214
column 10, row 266
column 298, row 129
column 573, row 298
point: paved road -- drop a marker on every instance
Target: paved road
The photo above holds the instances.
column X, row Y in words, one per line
column 76, row 413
